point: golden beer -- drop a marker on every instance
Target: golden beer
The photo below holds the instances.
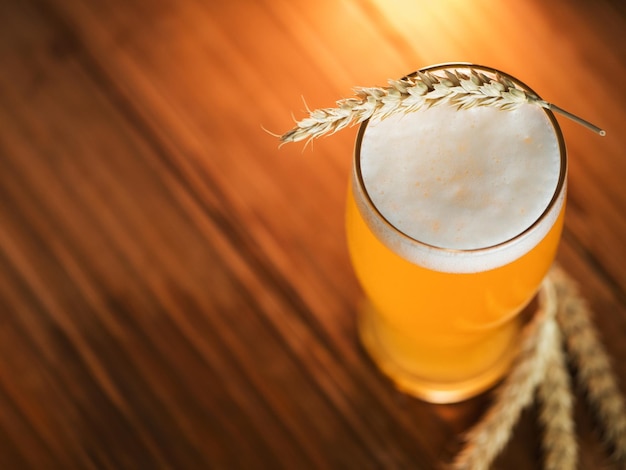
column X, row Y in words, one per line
column 445, row 286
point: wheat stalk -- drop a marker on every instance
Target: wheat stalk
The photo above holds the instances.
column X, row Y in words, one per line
column 556, row 410
column 464, row 89
column 489, row 436
column 593, row 366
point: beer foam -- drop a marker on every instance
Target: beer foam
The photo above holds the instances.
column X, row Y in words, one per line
column 470, row 187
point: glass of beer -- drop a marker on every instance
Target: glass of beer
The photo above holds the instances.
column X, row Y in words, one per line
column 453, row 219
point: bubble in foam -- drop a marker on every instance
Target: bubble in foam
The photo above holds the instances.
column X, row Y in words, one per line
column 466, row 180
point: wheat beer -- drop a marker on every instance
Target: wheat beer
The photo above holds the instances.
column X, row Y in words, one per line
column 453, row 220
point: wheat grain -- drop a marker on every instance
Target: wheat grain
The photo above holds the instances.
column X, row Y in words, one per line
column 464, row 89
column 594, row 373
column 556, row 410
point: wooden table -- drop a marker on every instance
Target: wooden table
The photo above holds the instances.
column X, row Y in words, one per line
column 176, row 291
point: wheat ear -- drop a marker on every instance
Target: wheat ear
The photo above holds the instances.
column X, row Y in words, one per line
column 464, row 89
column 556, row 409
column 489, row 436
column 593, row 365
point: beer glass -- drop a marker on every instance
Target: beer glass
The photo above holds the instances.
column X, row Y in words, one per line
column 453, row 220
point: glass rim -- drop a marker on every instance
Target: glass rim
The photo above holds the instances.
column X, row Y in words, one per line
column 560, row 186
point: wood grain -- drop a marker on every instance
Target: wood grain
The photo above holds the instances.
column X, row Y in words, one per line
column 176, row 290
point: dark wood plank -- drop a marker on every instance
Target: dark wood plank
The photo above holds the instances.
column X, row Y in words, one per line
column 117, row 307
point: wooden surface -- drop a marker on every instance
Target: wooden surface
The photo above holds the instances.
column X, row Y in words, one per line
column 176, row 291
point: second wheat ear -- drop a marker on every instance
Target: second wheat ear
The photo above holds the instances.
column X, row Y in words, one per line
column 463, row 88
column 561, row 332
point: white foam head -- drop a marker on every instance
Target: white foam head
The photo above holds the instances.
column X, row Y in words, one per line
column 461, row 190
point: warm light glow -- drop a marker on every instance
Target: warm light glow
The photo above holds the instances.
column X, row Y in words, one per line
column 434, row 29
